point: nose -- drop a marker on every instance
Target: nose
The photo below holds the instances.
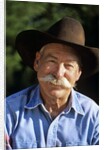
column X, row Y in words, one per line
column 59, row 71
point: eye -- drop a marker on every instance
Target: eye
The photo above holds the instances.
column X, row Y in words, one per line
column 68, row 66
column 51, row 61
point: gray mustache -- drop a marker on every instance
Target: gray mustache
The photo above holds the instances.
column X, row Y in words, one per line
column 61, row 82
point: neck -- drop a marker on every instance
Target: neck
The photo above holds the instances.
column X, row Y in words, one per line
column 55, row 108
column 55, row 105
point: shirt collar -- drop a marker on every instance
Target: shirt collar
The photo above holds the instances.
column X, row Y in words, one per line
column 75, row 99
column 35, row 101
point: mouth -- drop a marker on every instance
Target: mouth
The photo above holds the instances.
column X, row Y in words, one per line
column 56, row 86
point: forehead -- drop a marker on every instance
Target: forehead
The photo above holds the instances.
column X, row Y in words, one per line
column 59, row 50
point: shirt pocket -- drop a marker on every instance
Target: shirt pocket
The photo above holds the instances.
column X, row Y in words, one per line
column 24, row 144
column 76, row 144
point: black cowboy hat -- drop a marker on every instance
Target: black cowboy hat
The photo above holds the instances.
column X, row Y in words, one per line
column 66, row 31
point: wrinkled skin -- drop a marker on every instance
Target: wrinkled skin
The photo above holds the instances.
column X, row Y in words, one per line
column 61, row 62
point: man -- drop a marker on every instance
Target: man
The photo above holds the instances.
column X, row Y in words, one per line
column 52, row 113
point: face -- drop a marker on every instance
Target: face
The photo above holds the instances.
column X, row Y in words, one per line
column 57, row 70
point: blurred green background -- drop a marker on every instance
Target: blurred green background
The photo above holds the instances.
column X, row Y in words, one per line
column 28, row 15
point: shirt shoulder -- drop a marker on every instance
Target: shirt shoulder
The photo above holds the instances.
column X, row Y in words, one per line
column 20, row 98
column 87, row 104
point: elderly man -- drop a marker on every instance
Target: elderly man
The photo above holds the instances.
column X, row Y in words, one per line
column 52, row 113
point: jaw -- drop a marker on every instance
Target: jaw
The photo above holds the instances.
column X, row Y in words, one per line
column 50, row 91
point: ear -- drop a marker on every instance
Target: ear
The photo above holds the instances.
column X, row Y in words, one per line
column 36, row 61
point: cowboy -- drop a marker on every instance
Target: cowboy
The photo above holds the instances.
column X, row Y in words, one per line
column 52, row 113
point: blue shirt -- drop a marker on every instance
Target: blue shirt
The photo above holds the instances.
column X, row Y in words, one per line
column 29, row 124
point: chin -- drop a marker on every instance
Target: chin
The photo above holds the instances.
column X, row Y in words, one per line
column 57, row 93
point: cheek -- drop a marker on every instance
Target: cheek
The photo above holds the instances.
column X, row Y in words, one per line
column 72, row 76
column 69, row 74
column 44, row 69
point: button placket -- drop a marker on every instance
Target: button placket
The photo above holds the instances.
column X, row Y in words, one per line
column 52, row 133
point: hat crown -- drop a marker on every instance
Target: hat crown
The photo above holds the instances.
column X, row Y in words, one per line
column 68, row 29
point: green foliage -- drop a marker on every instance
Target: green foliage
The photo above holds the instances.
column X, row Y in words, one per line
column 27, row 15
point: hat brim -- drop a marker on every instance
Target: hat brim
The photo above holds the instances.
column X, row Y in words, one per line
column 28, row 42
